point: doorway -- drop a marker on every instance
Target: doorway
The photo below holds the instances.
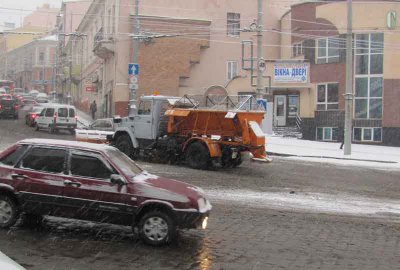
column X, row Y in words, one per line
column 280, row 110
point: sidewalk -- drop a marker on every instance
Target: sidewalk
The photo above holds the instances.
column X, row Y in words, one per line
column 362, row 155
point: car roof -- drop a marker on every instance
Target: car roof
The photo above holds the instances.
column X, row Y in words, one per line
column 69, row 144
column 54, row 105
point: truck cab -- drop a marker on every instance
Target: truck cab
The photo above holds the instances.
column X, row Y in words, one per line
column 144, row 126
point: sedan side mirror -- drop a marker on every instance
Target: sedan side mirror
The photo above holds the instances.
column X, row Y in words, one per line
column 117, row 179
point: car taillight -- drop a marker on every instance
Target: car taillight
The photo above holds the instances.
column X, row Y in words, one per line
column 76, row 118
column 16, row 107
column 33, row 116
column 0, row 106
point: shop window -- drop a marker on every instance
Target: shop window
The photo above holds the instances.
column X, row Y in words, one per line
column 367, row 134
column 327, row 50
column 327, row 134
column 328, row 97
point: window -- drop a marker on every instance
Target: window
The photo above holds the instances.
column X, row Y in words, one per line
column 368, row 76
column 12, row 158
column 41, row 58
column 233, row 24
column 71, row 113
column 49, row 112
column 367, row 134
column 113, row 20
column 41, row 75
column 102, row 124
column 293, row 105
column 327, row 50
column 297, row 49
column 232, row 67
column 327, row 134
column 327, row 97
column 45, row 159
column 124, row 162
column 62, row 112
column 90, row 166
column 144, row 107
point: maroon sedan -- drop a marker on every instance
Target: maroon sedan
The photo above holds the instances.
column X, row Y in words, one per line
column 98, row 183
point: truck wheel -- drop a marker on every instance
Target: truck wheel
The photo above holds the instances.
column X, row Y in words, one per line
column 9, row 212
column 157, row 228
column 237, row 161
column 124, row 145
column 197, row 156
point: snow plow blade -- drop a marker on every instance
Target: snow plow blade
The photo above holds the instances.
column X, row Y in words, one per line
column 263, row 160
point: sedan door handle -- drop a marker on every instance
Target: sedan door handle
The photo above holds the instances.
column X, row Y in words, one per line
column 18, row 176
column 71, row 183
column 148, row 122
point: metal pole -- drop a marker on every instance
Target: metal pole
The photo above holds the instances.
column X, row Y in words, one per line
column 259, row 47
column 135, row 55
column 349, row 82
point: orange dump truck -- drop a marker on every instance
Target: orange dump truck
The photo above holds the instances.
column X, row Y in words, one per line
column 202, row 134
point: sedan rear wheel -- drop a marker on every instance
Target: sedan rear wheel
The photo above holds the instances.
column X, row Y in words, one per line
column 8, row 212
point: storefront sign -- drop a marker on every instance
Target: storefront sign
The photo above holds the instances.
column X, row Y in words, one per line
column 291, row 73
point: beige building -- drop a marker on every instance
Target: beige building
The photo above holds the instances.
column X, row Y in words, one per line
column 198, row 44
column 44, row 17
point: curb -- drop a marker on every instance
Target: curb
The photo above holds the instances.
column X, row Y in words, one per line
column 352, row 159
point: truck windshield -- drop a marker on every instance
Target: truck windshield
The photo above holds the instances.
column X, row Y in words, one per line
column 124, row 163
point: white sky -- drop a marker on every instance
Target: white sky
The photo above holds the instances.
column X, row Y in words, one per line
column 16, row 16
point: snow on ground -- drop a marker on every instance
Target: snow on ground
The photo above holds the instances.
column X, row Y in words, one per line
column 375, row 156
column 341, row 204
column 83, row 118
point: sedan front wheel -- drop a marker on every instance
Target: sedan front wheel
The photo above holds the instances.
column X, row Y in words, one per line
column 157, row 228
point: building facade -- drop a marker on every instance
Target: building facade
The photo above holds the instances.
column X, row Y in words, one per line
column 318, row 37
column 186, row 47
column 32, row 66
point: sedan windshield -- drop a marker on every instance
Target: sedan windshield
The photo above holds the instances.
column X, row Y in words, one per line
column 124, row 163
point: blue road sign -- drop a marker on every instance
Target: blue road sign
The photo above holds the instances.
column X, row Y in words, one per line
column 133, row 69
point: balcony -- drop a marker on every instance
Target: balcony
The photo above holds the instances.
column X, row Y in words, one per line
column 103, row 47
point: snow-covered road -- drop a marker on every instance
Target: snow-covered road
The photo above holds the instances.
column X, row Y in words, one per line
column 341, row 204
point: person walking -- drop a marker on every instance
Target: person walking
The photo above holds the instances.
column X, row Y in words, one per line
column 93, row 109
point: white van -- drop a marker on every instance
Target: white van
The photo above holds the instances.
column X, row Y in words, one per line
column 55, row 117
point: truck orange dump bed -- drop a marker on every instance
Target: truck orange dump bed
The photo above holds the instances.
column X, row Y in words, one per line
column 220, row 127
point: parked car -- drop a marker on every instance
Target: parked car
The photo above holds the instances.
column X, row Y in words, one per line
column 34, row 93
column 96, row 132
column 95, row 182
column 55, row 117
column 42, row 100
column 3, row 91
column 30, row 117
column 104, row 124
column 8, row 108
column 18, row 91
